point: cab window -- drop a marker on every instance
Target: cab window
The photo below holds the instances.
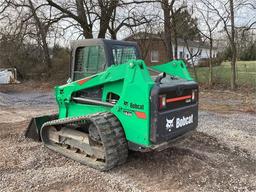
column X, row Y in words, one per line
column 88, row 61
column 122, row 54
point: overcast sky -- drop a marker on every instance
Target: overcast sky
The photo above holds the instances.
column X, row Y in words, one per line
column 243, row 17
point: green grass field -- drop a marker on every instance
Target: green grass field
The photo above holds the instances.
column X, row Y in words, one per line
column 246, row 73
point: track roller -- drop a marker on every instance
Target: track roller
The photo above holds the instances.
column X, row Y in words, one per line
column 96, row 140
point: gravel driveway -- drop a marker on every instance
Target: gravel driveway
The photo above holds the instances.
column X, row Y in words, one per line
column 220, row 156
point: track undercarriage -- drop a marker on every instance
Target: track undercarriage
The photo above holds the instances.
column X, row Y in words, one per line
column 95, row 140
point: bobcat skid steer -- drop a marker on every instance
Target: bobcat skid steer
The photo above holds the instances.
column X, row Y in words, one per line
column 113, row 103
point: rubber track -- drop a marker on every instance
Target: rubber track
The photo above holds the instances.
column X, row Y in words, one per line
column 122, row 147
column 111, row 133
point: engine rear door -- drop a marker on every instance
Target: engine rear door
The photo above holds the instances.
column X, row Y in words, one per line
column 174, row 110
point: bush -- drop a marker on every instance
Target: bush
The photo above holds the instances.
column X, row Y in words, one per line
column 249, row 53
column 205, row 62
column 28, row 59
column 227, row 54
column 60, row 64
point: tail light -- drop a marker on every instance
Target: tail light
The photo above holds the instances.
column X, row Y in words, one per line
column 194, row 95
column 162, row 101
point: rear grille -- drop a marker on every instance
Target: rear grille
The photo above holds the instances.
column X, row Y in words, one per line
column 175, row 99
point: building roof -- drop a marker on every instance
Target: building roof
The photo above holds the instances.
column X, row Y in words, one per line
column 99, row 41
column 160, row 36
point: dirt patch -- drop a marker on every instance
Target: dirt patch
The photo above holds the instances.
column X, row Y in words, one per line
column 28, row 86
column 227, row 101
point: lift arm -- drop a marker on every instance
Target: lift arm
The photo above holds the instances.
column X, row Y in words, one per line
column 175, row 68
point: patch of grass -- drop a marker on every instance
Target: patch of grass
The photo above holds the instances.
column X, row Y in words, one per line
column 246, row 73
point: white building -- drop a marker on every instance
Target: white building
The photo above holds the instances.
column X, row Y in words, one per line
column 194, row 50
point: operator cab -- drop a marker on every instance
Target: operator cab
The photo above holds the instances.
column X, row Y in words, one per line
column 92, row 56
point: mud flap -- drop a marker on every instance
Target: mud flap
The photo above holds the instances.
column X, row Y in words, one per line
column 35, row 124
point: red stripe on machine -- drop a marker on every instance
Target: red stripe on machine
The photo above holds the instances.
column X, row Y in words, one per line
column 178, row 98
column 141, row 115
column 82, row 81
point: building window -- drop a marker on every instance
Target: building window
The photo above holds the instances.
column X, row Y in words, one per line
column 191, row 51
column 154, row 56
column 200, row 52
column 181, row 55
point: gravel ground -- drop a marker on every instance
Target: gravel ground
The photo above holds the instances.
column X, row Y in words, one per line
column 220, row 156
column 26, row 99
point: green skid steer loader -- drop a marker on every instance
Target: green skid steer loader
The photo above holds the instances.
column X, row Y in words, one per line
column 113, row 103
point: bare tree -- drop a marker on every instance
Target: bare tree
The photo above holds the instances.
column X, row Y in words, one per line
column 172, row 10
column 211, row 26
column 106, row 9
column 175, row 28
column 193, row 53
column 132, row 16
column 36, row 17
column 13, row 32
column 43, row 29
column 245, row 30
column 102, row 16
column 88, row 13
column 233, row 45
column 225, row 12
column 3, row 6
column 31, row 23
column 167, row 7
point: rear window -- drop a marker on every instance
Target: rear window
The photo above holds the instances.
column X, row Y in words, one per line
column 122, row 54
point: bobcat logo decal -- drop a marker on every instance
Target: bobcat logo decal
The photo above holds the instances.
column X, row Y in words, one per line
column 169, row 124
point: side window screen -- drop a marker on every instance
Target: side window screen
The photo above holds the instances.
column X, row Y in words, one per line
column 88, row 61
column 121, row 54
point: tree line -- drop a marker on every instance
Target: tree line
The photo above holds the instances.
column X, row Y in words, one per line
column 30, row 28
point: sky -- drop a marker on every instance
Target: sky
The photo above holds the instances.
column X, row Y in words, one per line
column 243, row 16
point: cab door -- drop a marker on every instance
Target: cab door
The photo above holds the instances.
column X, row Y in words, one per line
column 89, row 60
